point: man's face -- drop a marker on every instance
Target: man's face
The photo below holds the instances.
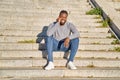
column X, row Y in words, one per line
column 63, row 18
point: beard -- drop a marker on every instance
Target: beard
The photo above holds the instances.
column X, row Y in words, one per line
column 62, row 22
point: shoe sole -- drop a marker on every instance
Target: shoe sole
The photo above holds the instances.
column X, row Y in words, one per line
column 50, row 69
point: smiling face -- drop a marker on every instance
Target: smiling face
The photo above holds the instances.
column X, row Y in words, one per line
column 63, row 18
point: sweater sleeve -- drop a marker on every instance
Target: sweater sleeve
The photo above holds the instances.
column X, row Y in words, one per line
column 75, row 32
column 52, row 28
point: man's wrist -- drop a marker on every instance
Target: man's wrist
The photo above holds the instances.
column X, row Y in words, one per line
column 67, row 38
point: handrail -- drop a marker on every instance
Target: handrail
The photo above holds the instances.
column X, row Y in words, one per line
column 114, row 29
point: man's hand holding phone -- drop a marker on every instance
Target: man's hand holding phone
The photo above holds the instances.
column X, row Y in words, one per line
column 58, row 19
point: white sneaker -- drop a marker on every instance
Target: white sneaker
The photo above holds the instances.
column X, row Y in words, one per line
column 70, row 65
column 49, row 66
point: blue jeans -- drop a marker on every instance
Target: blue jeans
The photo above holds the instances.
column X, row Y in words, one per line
column 55, row 45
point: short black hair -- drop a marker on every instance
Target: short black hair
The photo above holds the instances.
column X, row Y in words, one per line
column 63, row 11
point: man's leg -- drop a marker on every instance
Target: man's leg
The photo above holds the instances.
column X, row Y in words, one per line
column 73, row 49
column 51, row 45
column 74, row 43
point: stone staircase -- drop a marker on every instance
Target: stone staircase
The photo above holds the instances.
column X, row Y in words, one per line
column 21, row 57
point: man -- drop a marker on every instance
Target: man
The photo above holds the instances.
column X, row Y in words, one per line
column 60, row 39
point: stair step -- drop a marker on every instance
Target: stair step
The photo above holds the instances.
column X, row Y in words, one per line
column 84, row 72
column 93, row 22
column 38, row 32
column 39, row 27
column 34, row 46
column 47, row 19
column 37, row 22
column 39, row 54
column 32, row 14
column 62, row 1
column 81, row 29
column 37, row 78
column 17, row 39
column 95, row 35
column 22, row 8
column 16, row 20
column 53, row 7
column 44, row 15
column 8, row 22
column 49, row 13
column 38, row 62
column 47, row 16
column 41, row 2
column 39, row 5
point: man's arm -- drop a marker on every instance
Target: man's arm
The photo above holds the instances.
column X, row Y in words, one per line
column 75, row 32
column 52, row 28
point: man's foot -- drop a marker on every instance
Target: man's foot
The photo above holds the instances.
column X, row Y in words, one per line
column 70, row 65
column 49, row 66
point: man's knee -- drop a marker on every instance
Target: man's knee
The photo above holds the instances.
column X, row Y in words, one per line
column 76, row 40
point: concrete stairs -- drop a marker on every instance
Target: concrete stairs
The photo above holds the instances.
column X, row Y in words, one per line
column 21, row 48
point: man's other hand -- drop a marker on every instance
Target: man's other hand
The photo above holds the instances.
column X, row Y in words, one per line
column 66, row 42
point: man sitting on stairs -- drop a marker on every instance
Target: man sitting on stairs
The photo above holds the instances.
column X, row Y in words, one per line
column 62, row 36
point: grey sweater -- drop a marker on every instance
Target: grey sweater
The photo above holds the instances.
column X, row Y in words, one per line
column 62, row 32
